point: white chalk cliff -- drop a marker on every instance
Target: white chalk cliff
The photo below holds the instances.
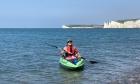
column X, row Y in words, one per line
column 125, row 24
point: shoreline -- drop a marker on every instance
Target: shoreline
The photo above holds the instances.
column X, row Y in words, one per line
column 130, row 77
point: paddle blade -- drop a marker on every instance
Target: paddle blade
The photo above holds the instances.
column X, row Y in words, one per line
column 92, row 62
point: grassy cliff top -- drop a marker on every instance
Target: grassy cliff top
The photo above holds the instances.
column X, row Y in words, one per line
column 79, row 25
column 83, row 25
column 122, row 21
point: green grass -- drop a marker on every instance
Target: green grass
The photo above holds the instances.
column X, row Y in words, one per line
column 79, row 25
column 122, row 21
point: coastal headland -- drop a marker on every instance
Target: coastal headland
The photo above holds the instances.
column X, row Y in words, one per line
column 127, row 23
column 82, row 26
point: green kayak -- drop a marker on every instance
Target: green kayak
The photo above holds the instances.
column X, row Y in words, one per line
column 71, row 66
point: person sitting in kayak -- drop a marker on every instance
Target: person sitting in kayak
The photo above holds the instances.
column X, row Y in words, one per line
column 70, row 51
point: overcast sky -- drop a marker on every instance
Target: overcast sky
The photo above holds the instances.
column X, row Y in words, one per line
column 55, row 13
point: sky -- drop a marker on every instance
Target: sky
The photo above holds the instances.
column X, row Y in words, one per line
column 55, row 13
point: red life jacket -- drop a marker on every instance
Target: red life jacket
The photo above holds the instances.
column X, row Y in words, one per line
column 70, row 49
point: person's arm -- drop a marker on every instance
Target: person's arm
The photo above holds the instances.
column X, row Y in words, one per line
column 77, row 53
column 63, row 51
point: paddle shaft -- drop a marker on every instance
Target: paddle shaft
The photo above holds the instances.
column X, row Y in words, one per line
column 56, row 47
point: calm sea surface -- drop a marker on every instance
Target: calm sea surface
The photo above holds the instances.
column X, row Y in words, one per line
column 26, row 59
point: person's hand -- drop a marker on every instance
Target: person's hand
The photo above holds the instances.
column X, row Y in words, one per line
column 79, row 56
column 69, row 53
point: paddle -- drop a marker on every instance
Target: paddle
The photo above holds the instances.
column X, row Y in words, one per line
column 64, row 50
column 54, row 46
column 89, row 60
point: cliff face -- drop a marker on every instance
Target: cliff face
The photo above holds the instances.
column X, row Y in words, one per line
column 135, row 23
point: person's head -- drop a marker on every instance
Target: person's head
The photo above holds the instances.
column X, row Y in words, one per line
column 69, row 42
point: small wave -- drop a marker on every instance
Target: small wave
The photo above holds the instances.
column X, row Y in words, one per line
column 138, row 58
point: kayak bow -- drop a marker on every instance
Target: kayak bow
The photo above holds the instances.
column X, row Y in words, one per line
column 71, row 66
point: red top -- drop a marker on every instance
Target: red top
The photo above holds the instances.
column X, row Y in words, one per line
column 70, row 49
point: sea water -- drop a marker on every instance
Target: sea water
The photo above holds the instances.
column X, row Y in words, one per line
column 26, row 59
